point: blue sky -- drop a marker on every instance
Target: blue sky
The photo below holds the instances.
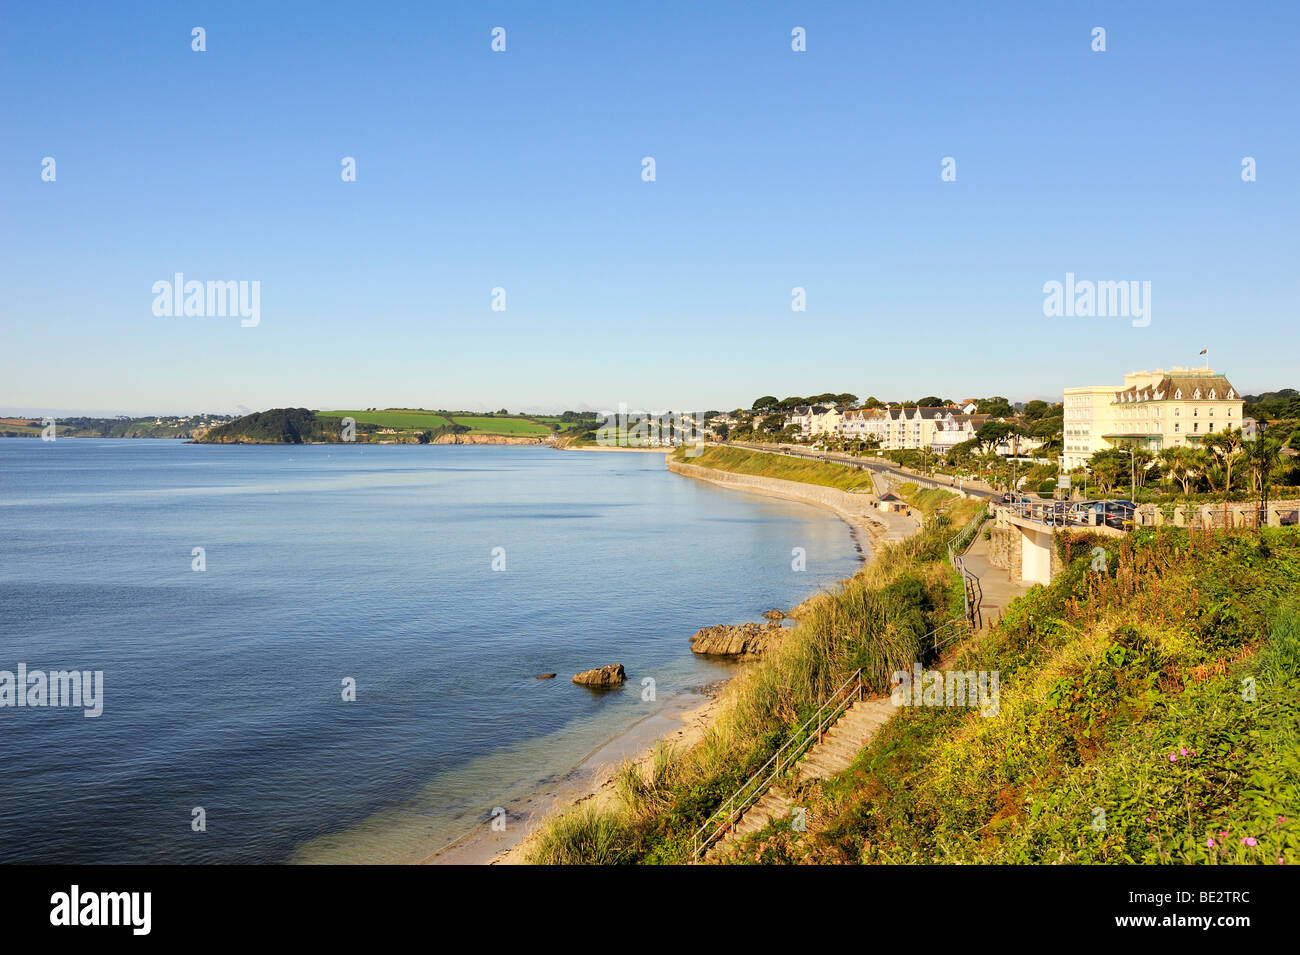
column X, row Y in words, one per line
column 522, row 170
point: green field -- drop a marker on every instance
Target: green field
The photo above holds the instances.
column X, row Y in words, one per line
column 404, row 419
column 393, row 418
column 499, row 424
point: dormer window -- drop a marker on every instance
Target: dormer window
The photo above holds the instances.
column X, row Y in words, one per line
column 1213, row 394
column 1196, row 395
column 1178, row 393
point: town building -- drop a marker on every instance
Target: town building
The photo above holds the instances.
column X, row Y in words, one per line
column 937, row 429
column 1153, row 410
column 814, row 420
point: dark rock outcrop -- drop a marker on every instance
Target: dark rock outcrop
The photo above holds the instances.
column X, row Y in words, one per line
column 746, row 640
column 611, row 675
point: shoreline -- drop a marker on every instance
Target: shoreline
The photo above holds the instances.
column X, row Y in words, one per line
column 593, row 778
column 615, row 448
column 682, row 721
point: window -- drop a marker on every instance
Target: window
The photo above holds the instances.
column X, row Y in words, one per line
column 1176, row 427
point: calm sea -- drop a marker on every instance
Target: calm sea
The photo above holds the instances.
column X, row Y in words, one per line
column 223, row 688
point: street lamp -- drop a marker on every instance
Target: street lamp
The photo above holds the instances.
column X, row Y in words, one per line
column 1132, row 474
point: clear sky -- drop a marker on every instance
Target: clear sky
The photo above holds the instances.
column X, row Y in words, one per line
column 522, row 170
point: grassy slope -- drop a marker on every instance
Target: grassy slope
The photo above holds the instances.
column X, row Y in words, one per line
column 1104, row 676
column 401, row 419
column 932, row 500
column 878, row 619
column 417, row 420
column 740, row 461
column 499, row 424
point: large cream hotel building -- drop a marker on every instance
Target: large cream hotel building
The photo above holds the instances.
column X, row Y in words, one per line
column 1152, row 410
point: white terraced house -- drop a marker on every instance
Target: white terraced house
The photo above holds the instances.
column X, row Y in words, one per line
column 934, row 428
column 1152, row 410
column 817, row 419
column 951, row 430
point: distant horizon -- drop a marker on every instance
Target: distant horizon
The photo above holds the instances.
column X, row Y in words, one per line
column 482, row 407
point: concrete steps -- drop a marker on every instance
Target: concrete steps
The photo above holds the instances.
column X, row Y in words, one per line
column 833, row 754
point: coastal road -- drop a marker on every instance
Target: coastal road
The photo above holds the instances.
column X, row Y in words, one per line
column 975, row 489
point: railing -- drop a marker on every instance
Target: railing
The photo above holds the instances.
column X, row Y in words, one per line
column 1114, row 514
column 725, row 817
column 728, row 814
column 972, row 592
column 955, row 629
column 958, row 545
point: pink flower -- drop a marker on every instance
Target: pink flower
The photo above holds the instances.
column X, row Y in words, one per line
column 1281, row 820
column 1183, row 751
column 1210, row 842
column 1223, row 834
column 1248, row 841
column 1173, row 757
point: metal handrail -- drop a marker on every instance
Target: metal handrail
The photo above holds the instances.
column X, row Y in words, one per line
column 957, row 545
column 735, row 807
column 1072, row 513
column 960, row 623
column 972, row 592
column 781, row 760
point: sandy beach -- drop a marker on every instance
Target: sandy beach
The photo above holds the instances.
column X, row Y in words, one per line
column 682, row 722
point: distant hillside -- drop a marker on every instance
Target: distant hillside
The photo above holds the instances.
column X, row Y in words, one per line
column 1273, row 404
column 276, row 426
column 148, row 426
column 389, row 426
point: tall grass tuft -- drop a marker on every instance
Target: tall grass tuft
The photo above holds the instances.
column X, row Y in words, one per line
column 588, row 835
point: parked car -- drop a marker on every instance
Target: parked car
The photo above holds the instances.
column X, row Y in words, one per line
column 1120, row 514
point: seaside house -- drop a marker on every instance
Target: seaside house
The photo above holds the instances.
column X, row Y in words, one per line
column 1152, row 410
column 951, row 430
column 814, row 420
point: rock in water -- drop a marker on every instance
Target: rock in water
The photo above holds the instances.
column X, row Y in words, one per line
column 611, row 675
column 546, row 676
column 774, row 615
column 746, row 640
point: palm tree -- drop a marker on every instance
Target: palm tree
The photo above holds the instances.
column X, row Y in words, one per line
column 1226, row 446
column 1207, row 463
column 1178, row 463
column 1262, row 455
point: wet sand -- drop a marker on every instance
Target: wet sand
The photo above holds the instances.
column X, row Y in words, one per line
column 682, row 721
